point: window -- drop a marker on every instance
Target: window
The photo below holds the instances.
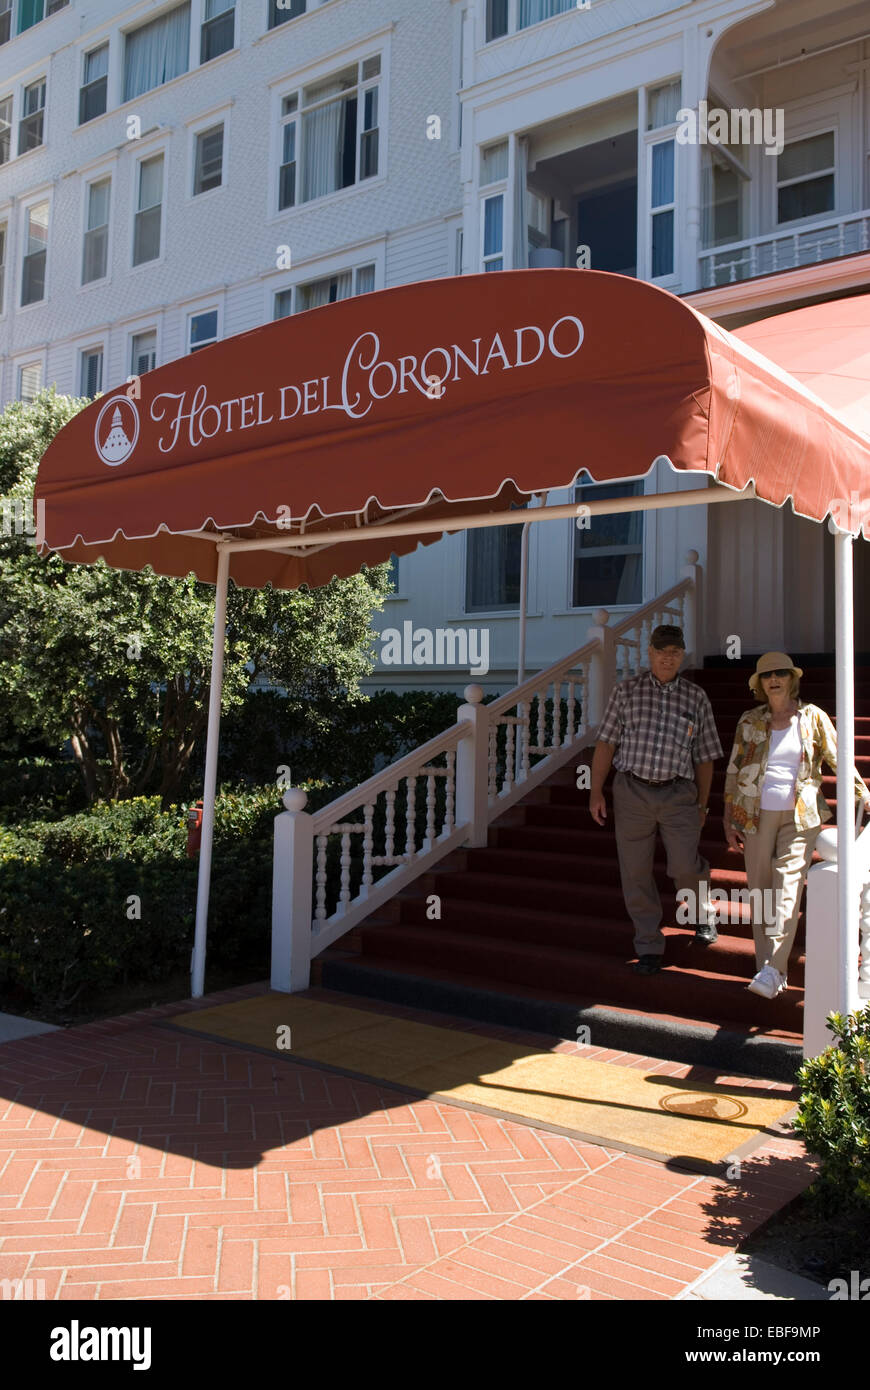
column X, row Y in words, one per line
column 496, row 19
column 35, row 249
column 608, row 552
column 662, row 105
column 334, row 141
column 493, row 232
column 2, row 265
column 722, row 185
column 157, row 52
column 332, row 288
column 662, row 205
column 5, row 20
column 492, row 567
column 91, row 373
column 203, row 330
column 218, row 29
column 494, row 164
column 92, row 96
column 143, row 356
column 282, row 10
column 533, row 11
column 31, row 123
column 96, row 251
column 209, row 163
column 5, row 130
column 805, row 178
column 283, row 304
column 29, row 382
column 146, row 234
column 30, row 12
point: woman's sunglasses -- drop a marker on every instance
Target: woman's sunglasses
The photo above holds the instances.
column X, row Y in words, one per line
column 782, row 674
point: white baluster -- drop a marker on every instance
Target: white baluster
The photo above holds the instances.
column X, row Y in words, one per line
column 557, row 714
column 509, row 758
column 542, row 719
column 320, row 912
column 390, row 826
column 411, row 817
column 526, row 737
column 449, row 796
column 344, row 895
column 491, row 760
column 430, row 812
column 572, row 729
column 368, row 849
column 753, row 261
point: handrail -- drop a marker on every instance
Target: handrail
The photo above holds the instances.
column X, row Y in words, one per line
column 655, row 604
column 541, row 679
column 383, row 780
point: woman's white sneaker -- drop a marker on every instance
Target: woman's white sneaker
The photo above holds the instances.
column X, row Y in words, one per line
column 768, row 982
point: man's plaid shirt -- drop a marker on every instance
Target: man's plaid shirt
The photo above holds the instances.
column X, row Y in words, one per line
column 661, row 730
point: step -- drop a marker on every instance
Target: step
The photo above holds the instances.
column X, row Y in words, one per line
column 604, row 979
column 769, row 1052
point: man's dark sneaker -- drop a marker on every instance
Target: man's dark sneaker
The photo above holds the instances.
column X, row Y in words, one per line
column 706, row 935
column 648, row 965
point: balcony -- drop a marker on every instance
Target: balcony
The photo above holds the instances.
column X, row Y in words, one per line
column 763, row 255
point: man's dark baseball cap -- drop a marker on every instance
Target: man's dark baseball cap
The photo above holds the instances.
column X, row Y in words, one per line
column 667, row 636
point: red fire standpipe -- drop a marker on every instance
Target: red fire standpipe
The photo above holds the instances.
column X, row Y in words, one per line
column 194, row 829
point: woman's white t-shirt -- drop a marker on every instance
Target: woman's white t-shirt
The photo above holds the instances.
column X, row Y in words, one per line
column 777, row 789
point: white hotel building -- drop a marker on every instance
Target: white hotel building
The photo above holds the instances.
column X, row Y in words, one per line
column 176, row 173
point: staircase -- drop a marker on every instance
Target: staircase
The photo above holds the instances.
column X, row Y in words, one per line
column 533, row 932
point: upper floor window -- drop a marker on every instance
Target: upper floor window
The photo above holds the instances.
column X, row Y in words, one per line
column 29, row 382
column 282, row 10
column 149, row 212
column 329, row 139
column 493, row 169
column 91, row 373
column 5, row 129
column 35, row 251
column 95, row 259
column 805, row 178
column 30, row 127
column 2, row 267
column 203, row 330
column 218, row 29
column 328, row 290
column 608, row 550
column 94, row 88
column 143, row 354
column 209, row 162
column 662, row 105
column 5, row 20
column 157, row 52
column 506, row 16
column 30, row 12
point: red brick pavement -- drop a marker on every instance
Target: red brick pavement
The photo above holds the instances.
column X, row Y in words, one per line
column 141, row 1163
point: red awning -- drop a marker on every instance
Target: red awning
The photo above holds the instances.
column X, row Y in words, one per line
column 446, row 397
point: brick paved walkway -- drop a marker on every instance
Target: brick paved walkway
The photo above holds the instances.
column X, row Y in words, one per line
column 140, row 1163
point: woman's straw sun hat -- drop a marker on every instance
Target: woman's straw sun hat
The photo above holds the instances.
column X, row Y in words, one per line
column 772, row 661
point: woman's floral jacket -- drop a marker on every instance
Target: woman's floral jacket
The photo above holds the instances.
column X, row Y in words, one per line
column 744, row 775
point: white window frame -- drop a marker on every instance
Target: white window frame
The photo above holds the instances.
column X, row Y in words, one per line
column 94, row 178
column 198, row 22
column 573, row 498
column 211, row 306
column 89, row 348
column 141, row 157
column 4, row 261
column 661, row 135
column 377, row 45
column 829, row 128
column 218, row 115
column 497, row 190
column 19, row 364
column 24, row 87
column 85, row 54
column 44, row 196
column 310, row 7
column 138, row 332
column 372, row 254
column 10, row 97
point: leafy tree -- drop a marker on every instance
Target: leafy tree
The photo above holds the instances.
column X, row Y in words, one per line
column 119, row 663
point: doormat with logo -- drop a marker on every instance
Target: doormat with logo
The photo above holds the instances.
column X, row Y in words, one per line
column 625, row 1107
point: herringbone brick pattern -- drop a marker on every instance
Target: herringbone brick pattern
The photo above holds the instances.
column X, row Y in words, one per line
column 141, row 1163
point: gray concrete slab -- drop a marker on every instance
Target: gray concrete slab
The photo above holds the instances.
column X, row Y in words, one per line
column 739, row 1278
column 13, row 1027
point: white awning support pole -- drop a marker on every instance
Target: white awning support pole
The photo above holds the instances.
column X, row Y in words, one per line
column 847, row 888
column 197, row 961
column 521, row 643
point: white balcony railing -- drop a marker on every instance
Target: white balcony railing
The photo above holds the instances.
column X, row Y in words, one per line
column 785, row 250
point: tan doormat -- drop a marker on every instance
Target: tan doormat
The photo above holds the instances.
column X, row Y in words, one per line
column 659, row 1116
